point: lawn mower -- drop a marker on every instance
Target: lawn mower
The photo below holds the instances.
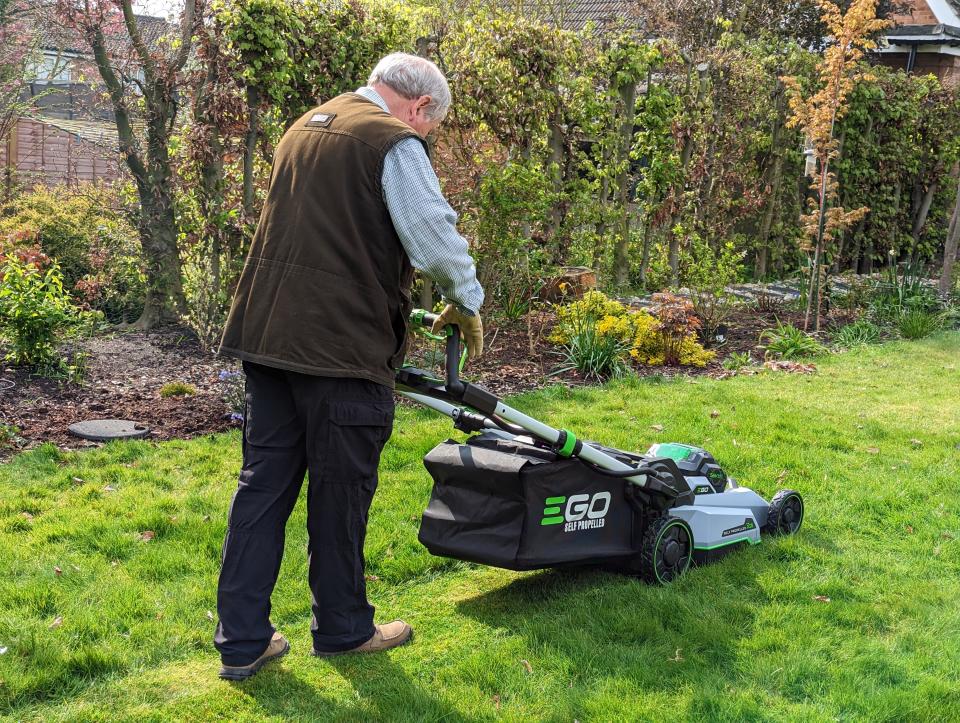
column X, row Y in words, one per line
column 521, row 495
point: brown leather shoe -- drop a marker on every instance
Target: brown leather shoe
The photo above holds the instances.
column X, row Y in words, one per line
column 388, row 635
column 277, row 648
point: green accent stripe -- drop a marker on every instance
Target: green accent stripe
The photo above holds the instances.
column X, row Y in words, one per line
column 551, row 511
column 555, row 500
column 729, row 542
column 551, row 521
column 568, row 445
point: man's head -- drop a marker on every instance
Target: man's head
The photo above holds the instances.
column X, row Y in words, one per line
column 414, row 90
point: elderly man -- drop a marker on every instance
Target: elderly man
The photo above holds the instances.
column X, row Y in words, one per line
column 320, row 322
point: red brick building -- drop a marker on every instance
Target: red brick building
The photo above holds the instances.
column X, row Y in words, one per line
column 926, row 39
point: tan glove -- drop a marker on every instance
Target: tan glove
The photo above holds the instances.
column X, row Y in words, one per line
column 471, row 328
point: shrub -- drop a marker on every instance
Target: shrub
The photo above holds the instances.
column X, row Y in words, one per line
column 651, row 348
column 737, row 361
column 596, row 321
column 206, row 282
column 709, row 273
column 34, row 311
column 918, row 323
column 789, row 342
column 510, row 210
column 677, row 325
column 177, row 389
column 588, row 311
column 10, row 436
column 94, row 244
column 859, row 333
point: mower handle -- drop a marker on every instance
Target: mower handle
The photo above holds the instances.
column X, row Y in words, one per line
column 425, row 319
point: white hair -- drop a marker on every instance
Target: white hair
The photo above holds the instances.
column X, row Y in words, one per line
column 412, row 76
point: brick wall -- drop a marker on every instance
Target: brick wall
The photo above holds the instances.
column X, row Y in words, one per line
column 918, row 14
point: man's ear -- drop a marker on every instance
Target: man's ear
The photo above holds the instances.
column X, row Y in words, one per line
column 422, row 102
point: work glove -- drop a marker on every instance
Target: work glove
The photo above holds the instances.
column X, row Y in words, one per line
column 471, row 328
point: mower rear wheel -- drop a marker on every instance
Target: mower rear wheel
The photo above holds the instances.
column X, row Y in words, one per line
column 785, row 514
column 666, row 549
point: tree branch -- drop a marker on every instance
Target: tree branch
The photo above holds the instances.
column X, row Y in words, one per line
column 186, row 33
column 133, row 30
column 115, row 89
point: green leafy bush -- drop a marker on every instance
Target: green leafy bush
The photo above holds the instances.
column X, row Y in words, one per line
column 918, row 323
column 708, row 274
column 512, row 203
column 788, row 342
column 95, row 246
column 587, row 311
column 859, row 333
column 738, row 360
column 34, row 311
column 667, row 338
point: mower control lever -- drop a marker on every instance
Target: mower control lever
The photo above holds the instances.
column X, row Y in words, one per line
column 454, row 359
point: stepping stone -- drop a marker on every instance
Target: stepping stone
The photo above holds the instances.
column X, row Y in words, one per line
column 103, row 430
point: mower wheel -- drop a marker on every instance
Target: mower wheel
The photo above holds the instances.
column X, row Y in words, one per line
column 786, row 513
column 666, row 549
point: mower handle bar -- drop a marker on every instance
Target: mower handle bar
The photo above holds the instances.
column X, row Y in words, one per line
column 427, row 320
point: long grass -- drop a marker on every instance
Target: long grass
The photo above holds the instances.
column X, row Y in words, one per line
column 856, row 618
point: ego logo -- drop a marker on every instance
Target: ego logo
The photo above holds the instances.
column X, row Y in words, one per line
column 581, row 512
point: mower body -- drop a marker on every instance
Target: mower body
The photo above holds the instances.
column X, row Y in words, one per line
column 506, row 501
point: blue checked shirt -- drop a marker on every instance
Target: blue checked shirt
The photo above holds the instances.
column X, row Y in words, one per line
column 424, row 221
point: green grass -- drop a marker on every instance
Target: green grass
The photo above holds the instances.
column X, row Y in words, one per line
column 123, row 631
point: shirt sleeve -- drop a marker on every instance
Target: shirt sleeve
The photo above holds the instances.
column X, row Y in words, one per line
column 427, row 225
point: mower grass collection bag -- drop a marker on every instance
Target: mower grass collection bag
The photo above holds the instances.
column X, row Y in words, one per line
column 512, row 504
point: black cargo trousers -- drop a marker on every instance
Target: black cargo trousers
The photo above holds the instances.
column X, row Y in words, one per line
column 334, row 429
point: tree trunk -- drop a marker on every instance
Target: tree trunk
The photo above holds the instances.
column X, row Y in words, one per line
column 556, row 177
column 250, row 148
column 645, row 255
column 950, row 247
column 621, row 257
column 158, row 237
column 601, row 225
column 773, row 202
column 920, row 216
column 426, row 293
column 686, row 153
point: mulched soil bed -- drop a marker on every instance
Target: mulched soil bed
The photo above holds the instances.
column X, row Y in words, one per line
column 127, row 370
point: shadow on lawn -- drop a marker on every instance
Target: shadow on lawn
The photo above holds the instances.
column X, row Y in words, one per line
column 656, row 637
column 383, row 692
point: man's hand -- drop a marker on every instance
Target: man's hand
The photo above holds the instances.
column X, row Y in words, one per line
column 471, row 328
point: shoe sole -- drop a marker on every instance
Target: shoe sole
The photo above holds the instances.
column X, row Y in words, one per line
column 323, row 654
column 254, row 668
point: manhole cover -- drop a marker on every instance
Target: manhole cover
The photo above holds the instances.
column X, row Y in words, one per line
column 103, row 430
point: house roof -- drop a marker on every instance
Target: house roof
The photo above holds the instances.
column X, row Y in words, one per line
column 99, row 133
column 61, row 38
column 924, row 34
column 575, row 14
column 567, row 14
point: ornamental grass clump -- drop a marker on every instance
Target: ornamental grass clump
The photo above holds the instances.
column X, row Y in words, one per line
column 789, row 342
column 917, row 323
column 859, row 333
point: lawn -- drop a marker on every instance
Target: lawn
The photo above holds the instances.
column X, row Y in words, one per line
column 855, row 618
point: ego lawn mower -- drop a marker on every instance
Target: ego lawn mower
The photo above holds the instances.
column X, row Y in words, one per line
column 524, row 496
